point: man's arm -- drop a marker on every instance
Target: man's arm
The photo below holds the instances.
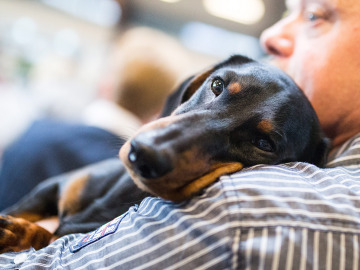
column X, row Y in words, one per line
column 286, row 215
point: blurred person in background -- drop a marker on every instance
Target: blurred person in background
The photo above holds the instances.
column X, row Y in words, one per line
column 138, row 76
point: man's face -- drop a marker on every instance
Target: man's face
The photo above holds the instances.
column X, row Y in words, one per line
column 318, row 44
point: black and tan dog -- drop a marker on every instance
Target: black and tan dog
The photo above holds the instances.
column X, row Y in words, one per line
column 238, row 113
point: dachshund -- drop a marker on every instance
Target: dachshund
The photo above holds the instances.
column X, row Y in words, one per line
column 236, row 114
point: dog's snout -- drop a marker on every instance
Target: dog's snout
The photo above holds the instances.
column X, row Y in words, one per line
column 148, row 161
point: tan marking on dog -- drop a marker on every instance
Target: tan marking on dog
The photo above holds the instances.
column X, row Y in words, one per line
column 265, row 126
column 234, row 88
column 20, row 234
column 69, row 201
column 189, row 165
column 197, row 185
column 33, row 217
column 196, row 83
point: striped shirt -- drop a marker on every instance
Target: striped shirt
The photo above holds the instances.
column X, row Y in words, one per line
column 289, row 216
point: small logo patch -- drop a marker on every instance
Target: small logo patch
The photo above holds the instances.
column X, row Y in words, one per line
column 101, row 232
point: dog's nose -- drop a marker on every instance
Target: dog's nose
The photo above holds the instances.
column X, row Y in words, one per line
column 148, row 161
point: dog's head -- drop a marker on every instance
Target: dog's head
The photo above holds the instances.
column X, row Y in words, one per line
column 238, row 112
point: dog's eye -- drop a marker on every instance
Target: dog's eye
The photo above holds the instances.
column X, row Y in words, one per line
column 263, row 144
column 217, row 86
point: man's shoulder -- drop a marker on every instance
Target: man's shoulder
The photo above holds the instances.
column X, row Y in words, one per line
column 347, row 155
column 299, row 194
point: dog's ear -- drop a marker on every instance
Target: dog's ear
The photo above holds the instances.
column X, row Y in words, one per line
column 321, row 152
column 194, row 85
column 184, row 92
column 174, row 100
column 190, row 85
column 198, row 80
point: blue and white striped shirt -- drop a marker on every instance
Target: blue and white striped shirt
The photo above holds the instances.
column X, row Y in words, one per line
column 289, row 216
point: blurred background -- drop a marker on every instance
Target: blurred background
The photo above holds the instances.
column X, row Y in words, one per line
column 53, row 52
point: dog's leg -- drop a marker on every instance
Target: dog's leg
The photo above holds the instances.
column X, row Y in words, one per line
column 40, row 203
column 17, row 234
column 112, row 203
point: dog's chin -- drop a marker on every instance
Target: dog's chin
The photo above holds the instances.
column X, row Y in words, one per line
column 181, row 183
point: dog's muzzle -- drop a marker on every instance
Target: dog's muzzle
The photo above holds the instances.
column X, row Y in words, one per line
column 164, row 169
column 147, row 161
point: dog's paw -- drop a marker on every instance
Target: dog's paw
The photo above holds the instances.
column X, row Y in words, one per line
column 17, row 234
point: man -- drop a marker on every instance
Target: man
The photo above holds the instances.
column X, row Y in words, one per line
column 317, row 44
column 266, row 217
